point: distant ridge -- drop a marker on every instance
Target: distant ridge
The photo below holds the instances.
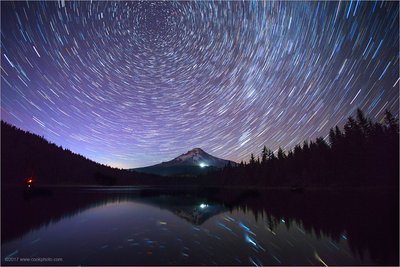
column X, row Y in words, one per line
column 26, row 154
column 192, row 163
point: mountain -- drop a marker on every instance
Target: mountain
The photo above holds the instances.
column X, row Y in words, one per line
column 192, row 163
column 195, row 210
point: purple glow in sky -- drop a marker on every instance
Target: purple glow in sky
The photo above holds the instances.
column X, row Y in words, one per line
column 130, row 84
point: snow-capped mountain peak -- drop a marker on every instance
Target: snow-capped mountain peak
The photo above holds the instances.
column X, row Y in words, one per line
column 193, row 162
column 197, row 157
column 195, row 154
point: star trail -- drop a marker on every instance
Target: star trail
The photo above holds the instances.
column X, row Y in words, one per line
column 131, row 84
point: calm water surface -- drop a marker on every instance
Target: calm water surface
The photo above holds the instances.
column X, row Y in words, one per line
column 130, row 226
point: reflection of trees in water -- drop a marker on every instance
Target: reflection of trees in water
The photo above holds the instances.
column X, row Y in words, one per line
column 22, row 211
column 369, row 220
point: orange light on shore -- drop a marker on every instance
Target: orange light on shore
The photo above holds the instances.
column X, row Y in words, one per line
column 29, row 181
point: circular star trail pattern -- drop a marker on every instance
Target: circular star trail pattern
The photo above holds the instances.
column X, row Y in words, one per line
column 130, row 84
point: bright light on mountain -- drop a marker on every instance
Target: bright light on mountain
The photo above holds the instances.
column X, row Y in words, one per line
column 202, row 165
column 203, row 206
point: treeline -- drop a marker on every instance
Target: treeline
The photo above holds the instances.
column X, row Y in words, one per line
column 24, row 154
column 363, row 153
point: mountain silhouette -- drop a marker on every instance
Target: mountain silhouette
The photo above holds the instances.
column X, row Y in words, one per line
column 192, row 163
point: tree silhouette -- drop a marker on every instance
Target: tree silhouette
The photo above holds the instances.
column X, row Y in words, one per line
column 364, row 153
column 252, row 160
column 281, row 154
column 264, row 155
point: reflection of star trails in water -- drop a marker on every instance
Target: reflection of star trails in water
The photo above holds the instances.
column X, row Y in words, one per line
column 318, row 258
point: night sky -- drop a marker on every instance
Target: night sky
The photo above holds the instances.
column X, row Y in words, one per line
column 131, row 84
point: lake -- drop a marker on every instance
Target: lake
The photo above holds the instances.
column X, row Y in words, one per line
column 209, row 226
